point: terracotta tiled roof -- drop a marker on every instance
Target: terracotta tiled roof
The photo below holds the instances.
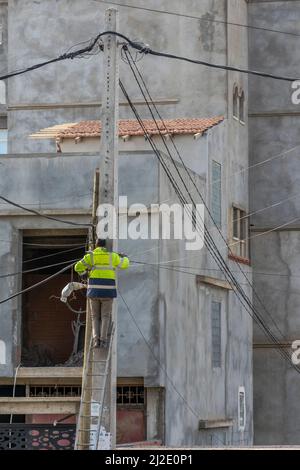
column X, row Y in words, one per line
column 132, row 127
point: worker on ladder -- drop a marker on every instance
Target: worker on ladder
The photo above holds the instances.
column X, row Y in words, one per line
column 100, row 265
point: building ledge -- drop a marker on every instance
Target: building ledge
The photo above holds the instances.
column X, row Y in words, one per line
column 49, row 372
column 212, row 281
column 39, row 405
column 215, row 423
column 51, row 212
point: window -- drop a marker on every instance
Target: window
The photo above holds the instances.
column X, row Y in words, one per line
column 2, row 92
column 235, row 102
column 216, row 193
column 242, row 409
column 216, row 333
column 3, row 141
column 241, row 107
column 238, row 105
column 2, row 352
column 130, row 395
column 131, row 411
column 239, row 245
column 54, row 390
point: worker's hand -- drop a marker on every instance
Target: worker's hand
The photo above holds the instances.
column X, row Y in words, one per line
column 122, row 255
column 83, row 274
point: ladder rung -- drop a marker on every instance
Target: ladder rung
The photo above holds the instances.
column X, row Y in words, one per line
column 101, row 360
column 89, row 402
column 91, row 388
column 96, row 375
column 87, row 430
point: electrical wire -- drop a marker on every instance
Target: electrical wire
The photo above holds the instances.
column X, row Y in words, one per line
column 45, row 245
column 239, row 292
column 68, row 55
column 48, row 245
column 163, row 264
column 162, row 137
column 44, row 281
column 2, row 276
column 144, row 50
column 14, row 388
column 43, row 203
column 266, row 232
column 156, row 358
column 53, row 254
column 147, row 50
column 133, row 64
column 33, row 211
column 182, row 270
column 201, row 18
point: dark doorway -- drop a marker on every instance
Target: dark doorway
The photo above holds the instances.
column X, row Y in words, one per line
column 52, row 333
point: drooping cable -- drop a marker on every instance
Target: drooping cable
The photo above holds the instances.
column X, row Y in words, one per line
column 44, row 281
column 33, row 211
column 137, row 75
column 245, row 301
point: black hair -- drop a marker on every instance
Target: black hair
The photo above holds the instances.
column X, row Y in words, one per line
column 100, row 243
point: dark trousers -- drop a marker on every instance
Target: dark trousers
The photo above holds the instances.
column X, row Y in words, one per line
column 101, row 310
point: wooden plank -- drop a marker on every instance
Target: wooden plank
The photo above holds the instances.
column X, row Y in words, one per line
column 212, row 281
column 215, row 423
column 39, row 405
column 49, row 372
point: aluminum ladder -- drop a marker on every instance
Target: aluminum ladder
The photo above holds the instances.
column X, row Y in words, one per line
column 90, row 432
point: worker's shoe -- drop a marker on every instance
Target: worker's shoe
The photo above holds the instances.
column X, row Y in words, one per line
column 96, row 342
column 103, row 343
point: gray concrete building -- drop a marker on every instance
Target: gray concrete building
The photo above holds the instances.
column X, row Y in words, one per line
column 195, row 387
column 273, row 128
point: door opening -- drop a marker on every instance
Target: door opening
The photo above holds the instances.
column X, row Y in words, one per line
column 52, row 333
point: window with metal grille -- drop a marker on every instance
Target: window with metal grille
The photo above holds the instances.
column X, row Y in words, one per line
column 235, row 104
column 239, row 245
column 242, row 107
column 242, row 409
column 3, row 136
column 216, row 196
column 54, row 391
column 216, row 333
column 130, row 395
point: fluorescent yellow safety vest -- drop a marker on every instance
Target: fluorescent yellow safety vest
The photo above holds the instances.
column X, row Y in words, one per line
column 101, row 266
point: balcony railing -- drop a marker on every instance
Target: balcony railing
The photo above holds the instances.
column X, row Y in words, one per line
column 37, row 437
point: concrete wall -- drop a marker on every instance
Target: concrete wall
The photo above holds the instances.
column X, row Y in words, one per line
column 42, row 179
column 185, row 313
column 165, row 304
column 197, row 91
column 3, row 60
column 273, row 125
column 169, row 307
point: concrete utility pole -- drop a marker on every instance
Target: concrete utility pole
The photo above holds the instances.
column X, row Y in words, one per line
column 84, row 420
column 109, row 183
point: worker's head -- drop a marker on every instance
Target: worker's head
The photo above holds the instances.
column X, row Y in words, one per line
column 100, row 243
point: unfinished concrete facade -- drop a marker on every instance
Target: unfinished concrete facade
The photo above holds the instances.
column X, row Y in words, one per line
column 274, row 121
column 173, row 309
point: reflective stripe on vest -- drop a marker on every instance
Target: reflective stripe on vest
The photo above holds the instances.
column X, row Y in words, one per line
column 102, row 268
column 121, row 262
column 86, row 264
column 103, row 286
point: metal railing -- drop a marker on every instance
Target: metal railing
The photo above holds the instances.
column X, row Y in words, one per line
column 37, row 436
